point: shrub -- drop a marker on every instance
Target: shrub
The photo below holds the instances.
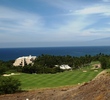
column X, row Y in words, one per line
column 9, row 85
column 105, row 62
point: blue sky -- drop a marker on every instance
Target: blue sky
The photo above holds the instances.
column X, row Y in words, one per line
column 53, row 22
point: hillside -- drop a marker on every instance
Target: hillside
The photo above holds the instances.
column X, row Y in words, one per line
column 97, row 89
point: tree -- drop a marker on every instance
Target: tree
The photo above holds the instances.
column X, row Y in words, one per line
column 105, row 62
column 2, row 69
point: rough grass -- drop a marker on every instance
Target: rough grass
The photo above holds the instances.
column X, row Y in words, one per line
column 108, row 71
column 34, row 81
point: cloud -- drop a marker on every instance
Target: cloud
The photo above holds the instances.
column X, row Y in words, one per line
column 74, row 23
column 96, row 9
column 108, row 23
column 17, row 24
column 106, row 0
column 72, row 30
column 22, row 26
column 62, row 4
column 96, row 33
column 8, row 14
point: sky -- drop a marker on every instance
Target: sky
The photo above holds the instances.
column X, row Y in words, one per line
column 53, row 22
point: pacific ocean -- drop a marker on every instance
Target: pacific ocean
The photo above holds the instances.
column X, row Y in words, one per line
column 13, row 53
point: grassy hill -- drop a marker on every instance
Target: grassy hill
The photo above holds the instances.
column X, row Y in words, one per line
column 34, row 81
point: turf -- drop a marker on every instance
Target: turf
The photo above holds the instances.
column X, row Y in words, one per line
column 34, row 81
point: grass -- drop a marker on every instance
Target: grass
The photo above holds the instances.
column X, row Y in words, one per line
column 108, row 71
column 35, row 81
column 95, row 62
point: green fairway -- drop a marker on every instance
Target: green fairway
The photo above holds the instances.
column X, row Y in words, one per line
column 34, row 81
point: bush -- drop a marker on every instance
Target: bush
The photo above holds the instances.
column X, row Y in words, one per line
column 9, row 85
column 105, row 62
column 2, row 70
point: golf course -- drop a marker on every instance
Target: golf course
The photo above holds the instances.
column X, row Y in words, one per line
column 74, row 77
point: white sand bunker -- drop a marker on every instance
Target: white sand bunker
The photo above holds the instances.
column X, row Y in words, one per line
column 84, row 71
column 11, row 74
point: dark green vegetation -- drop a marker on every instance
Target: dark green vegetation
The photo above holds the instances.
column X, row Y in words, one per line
column 6, row 66
column 105, row 62
column 9, row 85
column 44, row 73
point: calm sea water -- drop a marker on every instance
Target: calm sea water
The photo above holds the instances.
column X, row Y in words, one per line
column 13, row 53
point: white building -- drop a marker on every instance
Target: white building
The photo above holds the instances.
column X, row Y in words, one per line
column 26, row 60
column 65, row 67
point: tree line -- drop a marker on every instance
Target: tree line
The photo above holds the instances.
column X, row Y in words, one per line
column 46, row 63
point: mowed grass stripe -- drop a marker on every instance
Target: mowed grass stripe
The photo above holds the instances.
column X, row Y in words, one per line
column 65, row 76
column 33, row 81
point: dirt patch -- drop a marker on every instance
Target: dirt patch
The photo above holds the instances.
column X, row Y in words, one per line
column 39, row 94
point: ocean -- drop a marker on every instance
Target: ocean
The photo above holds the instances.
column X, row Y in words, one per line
column 13, row 53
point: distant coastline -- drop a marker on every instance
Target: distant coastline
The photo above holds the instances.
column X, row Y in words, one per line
column 13, row 53
column 51, row 47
